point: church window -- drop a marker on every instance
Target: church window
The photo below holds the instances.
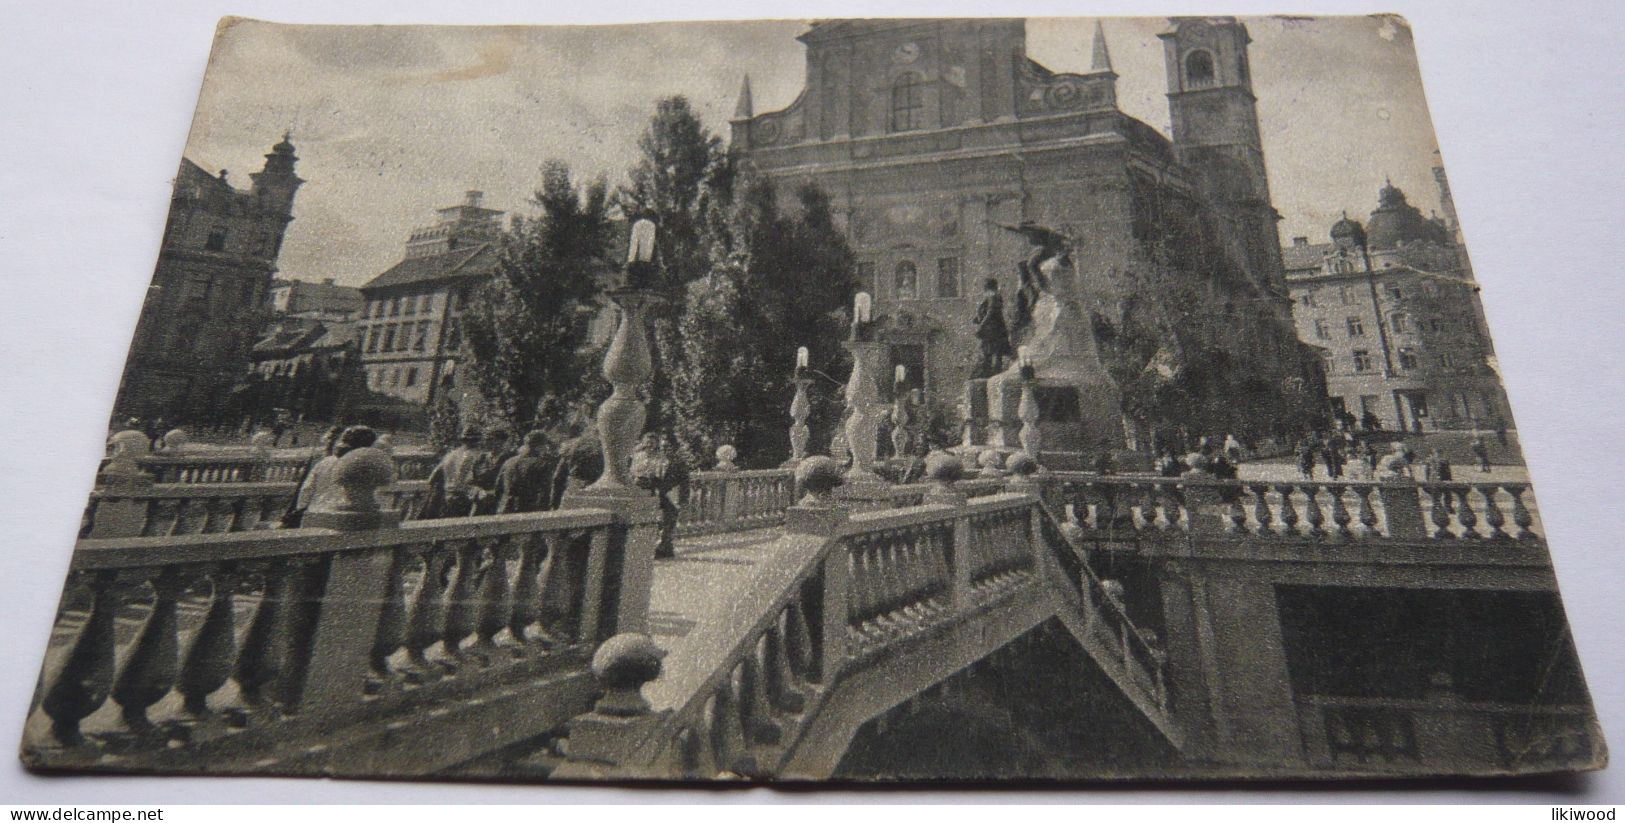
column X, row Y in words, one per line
column 1362, row 360
column 1407, row 358
column 948, row 277
column 905, row 281
column 1356, row 327
column 907, row 103
column 1198, row 70
column 217, row 239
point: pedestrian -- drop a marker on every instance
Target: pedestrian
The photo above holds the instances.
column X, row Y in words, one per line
column 452, row 492
column 1232, row 448
column 321, row 491
column 1482, row 453
column 1306, row 457
column 581, row 461
column 522, row 482
column 487, row 465
column 1332, row 454
column 1501, row 431
column 1394, row 465
column 657, row 468
column 294, row 515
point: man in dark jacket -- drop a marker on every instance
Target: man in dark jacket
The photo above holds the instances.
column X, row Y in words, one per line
column 657, row 468
column 522, row 482
column 991, row 330
column 581, row 461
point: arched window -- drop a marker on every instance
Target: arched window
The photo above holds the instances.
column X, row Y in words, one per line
column 905, row 281
column 908, row 103
column 1198, row 70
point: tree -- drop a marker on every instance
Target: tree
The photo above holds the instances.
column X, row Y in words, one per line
column 681, row 181
column 526, row 328
column 777, row 281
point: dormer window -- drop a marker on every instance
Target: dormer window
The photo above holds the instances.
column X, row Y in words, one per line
column 908, row 103
column 1198, row 70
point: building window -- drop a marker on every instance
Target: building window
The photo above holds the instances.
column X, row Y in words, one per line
column 428, row 303
column 1447, row 360
column 1396, row 293
column 1307, row 298
column 217, row 239
column 1323, row 330
column 1401, row 322
column 1356, row 327
column 389, row 338
column 866, row 277
column 1362, row 360
column 411, row 376
column 1433, row 324
column 1407, row 358
column 905, row 281
column 1198, row 70
column 1345, row 294
column 372, row 339
column 420, row 341
column 454, row 335
column 394, row 307
column 948, row 277
column 394, row 377
column 410, row 304
column 907, row 103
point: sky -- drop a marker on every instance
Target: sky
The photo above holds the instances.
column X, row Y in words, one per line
column 392, row 122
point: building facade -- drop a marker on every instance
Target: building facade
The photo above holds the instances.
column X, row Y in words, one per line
column 410, row 322
column 325, row 300
column 205, row 305
column 934, row 136
column 1395, row 310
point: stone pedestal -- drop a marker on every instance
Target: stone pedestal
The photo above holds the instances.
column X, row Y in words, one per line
column 115, row 516
column 632, row 544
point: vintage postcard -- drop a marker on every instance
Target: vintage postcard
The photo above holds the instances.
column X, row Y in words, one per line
column 856, row 400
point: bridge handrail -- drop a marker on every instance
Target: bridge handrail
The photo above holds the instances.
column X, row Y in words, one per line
column 167, row 509
column 1337, row 509
column 343, row 625
column 734, row 500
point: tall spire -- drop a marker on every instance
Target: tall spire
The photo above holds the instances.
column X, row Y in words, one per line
column 1102, row 60
column 745, row 110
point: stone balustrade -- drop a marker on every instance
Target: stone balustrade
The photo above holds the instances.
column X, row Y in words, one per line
column 147, row 658
column 735, row 500
column 870, row 583
column 1328, row 510
column 249, row 468
column 1376, row 735
column 172, row 509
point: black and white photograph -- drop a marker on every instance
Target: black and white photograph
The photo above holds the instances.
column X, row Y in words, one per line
column 813, row 401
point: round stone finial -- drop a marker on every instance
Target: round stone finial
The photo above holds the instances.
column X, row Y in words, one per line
column 361, row 473
column 176, row 441
column 621, row 666
column 818, row 477
column 944, row 468
column 262, row 441
column 385, row 444
column 726, row 454
column 992, row 463
column 1021, row 464
column 128, row 443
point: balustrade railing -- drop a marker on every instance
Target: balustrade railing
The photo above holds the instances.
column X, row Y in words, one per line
column 171, row 509
column 1409, row 734
column 181, row 642
column 248, row 468
column 885, row 576
column 1336, row 510
column 735, row 500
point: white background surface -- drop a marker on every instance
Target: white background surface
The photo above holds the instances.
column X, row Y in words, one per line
column 94, row 108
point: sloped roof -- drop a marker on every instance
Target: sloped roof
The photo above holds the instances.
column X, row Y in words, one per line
column 198, row 179
column 1306, row 256
column 474, row 261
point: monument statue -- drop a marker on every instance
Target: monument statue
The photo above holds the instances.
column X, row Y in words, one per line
column 1048, row 244
column 991, row 330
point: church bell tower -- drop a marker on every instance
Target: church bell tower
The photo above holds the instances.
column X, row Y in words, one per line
column 1215, row 131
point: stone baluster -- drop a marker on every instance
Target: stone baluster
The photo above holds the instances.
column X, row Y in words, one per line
column 1367, row 514
column 526, row 610
column 390, row 633
column 460, row 606
column 800, row 408
column 1289, row 510
column 423, row 625
column 1521, row 516
column 1492, row 513
column 266, row 663
column 1312, row 512
column 1027, row 412
column 153, row 662
column 1440, row 514
column 627, row 366
column 85, row 679
column 494, row 606
column 1340, row 513
column 1261, row 507
column 1465, row 514
column 213, row 649
column 783, row 682
column 754, row 707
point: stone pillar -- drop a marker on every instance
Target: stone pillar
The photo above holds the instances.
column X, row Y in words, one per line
column 603, row 742
column 799, row 432
column 1403, row 509
column 359, row 475
column 1027, row 413
column 863, row 487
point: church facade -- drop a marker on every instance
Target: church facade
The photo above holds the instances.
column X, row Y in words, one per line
column 203, row 310
column 934, row 138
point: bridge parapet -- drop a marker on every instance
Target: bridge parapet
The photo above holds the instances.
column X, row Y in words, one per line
column 1319, row 510
column 147, row 668
column 173, row 509
column 734, row 500
column 869, row 590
